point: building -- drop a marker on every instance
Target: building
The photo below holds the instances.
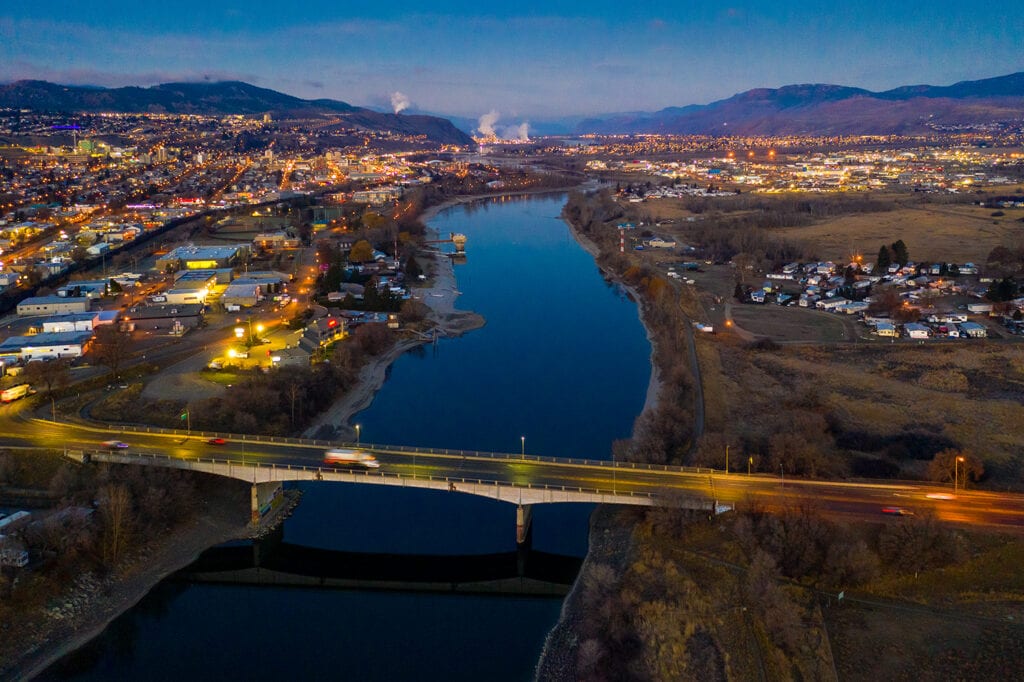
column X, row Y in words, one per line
column 973, row 330
column 167, row 317
column 915, row 330
column 76, row 322
column 243, row 293
column 202, row 257
column 46, row 346
column 53, row 305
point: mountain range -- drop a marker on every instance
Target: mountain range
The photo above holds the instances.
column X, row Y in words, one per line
column 812, row 109
column 220, row 98
column 818, row 109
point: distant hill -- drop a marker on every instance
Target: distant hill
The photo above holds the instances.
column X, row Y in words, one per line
column 221, row 98
column 818, row 109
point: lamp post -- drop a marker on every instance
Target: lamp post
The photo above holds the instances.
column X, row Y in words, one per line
column 357, row 433
column 750, row 462
column 522, row 451
column 956, row 472
column 726, row 459
column 783, row 470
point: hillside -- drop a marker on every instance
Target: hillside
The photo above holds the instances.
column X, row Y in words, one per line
column 222, row 98
column 819, row 109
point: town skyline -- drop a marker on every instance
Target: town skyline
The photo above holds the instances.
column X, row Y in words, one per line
column 522, row 61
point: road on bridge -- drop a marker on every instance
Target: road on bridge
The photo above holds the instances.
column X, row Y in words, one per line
column 850, row 500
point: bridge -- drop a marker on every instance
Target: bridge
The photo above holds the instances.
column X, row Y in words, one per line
column 520, row 479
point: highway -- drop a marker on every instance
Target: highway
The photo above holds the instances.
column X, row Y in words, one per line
column 837, row 499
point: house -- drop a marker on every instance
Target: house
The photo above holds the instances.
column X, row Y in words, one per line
column 973, row 330
column 757, row 296
column 915, row 330
column 885, row 329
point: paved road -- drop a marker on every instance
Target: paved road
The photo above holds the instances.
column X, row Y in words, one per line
column 844, row 500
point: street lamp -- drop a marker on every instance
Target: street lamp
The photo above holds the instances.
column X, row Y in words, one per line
column 750, row 462
column 956, row 476
column 522, row 451
column 357, row 433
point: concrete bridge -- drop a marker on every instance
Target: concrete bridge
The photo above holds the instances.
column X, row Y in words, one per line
column 504, row 478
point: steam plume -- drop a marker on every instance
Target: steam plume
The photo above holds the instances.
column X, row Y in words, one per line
column 485, row 126
column 399, row 102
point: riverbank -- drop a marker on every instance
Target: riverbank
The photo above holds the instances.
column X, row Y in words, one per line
column 85, row 610
column 440, row 297
column 609, row 543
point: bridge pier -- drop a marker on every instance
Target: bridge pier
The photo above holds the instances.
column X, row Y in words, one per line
column 263, row 498
column 524, row 519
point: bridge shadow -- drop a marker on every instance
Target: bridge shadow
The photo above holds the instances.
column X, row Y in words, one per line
column 273, row 562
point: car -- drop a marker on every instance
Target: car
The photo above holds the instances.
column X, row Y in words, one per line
column 897, row 511
column 940, row 496
column 215, row 441
column 114, row 444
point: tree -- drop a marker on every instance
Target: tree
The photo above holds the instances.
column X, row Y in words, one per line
column 49, row 373
column 111, row 347
column 950, row 463
column 115, row 505
column 413, row 311
column 373, row 338
column 899, row 252
column 1002, row 290
column 884, row 259
column 362, row 251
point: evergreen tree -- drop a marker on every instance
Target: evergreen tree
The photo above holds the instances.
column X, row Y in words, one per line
column 900, row 253
column 884, row 259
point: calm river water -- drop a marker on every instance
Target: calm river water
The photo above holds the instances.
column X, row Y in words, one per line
column 563, row 361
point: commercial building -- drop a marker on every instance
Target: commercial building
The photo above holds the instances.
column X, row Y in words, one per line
column 53, row 305
column 46, row 346
column 202, row 257
column 168, row 317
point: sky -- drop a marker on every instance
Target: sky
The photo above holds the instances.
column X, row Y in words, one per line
column 524, row 61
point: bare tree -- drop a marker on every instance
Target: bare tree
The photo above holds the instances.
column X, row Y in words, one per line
column 115, row 505
column 53, row 374
column 111, row 347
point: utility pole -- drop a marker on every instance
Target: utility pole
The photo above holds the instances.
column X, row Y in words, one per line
column 727, row 459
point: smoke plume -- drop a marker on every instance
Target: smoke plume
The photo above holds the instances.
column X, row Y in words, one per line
column 399, row 102
column 485, row 126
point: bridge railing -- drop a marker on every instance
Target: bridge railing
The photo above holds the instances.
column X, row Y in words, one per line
column 505, row 456
column 317, row 473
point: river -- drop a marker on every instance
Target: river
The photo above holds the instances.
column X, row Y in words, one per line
column 560, row 369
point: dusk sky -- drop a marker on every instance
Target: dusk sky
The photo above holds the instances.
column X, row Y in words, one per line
column 527, row 60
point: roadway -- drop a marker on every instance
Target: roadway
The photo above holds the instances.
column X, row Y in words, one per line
column 838, row 499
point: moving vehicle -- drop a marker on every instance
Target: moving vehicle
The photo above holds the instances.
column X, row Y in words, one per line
column 215, row 441
column 897, row 511
column 14, row 392
column 345, row 457
column 114, row 444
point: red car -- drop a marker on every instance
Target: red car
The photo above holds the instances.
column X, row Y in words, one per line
column 215, row 441
column 897, row 511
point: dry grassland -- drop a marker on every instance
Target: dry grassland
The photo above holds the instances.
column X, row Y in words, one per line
column 971, row 395
column 931, row 233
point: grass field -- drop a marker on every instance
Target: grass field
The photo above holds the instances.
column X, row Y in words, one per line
column 781, row 324
column 932, row 233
